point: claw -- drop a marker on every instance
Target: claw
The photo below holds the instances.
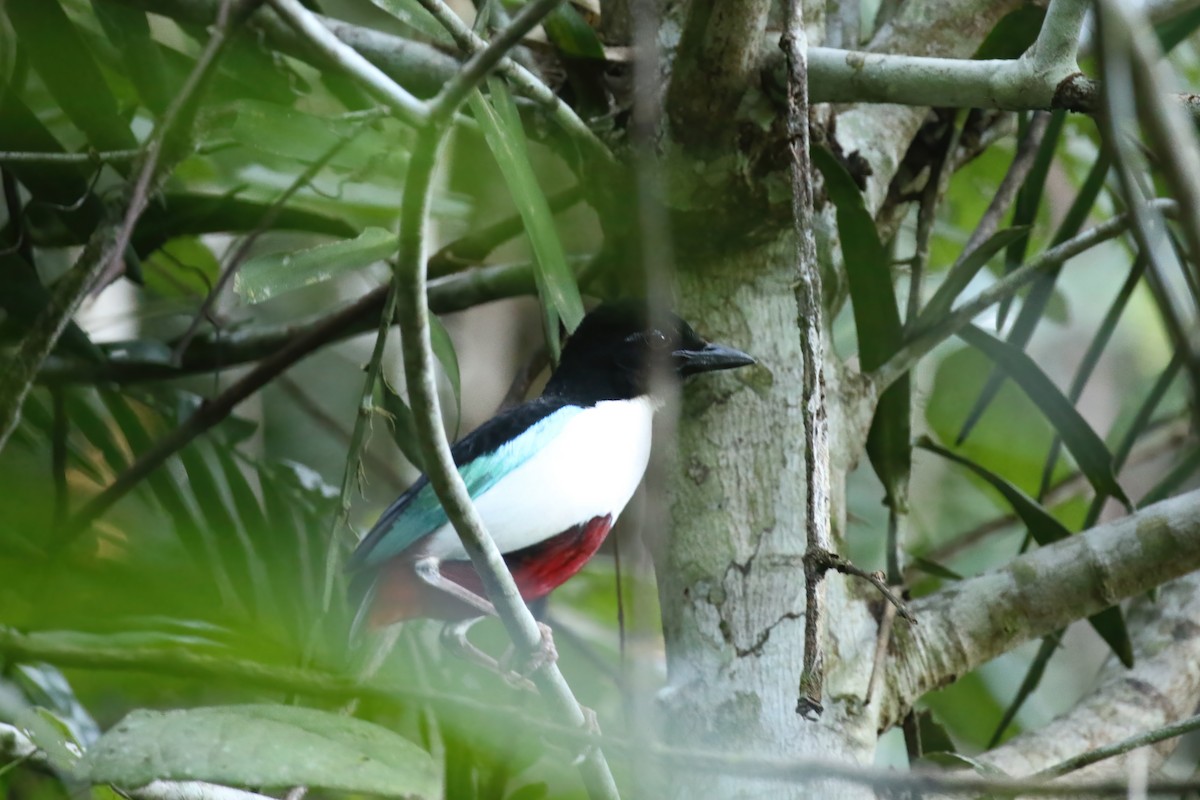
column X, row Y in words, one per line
column 545, row 653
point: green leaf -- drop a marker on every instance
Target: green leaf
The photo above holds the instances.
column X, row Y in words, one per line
column 129, row 31
column 571, row 34
column 65, row 64
column 1013, row 34
column 1040, row 522
column 262, row 746
column 505, row 137
column 447, row 356
column 877, row 320
column 1171, row 482
column 404, row 426
column 264, row 277
column 876, row 315
column 1091, row 358
column 934, row 736
column 935, row 569
column 1038, row 298
column 1045, row 529
column 181, row 268
column 45, row 685
column 51, row 735
column 1088, row 449
column 286, row 132
column 964, row 270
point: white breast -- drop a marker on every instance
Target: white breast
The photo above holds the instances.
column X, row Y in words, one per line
column 589, row 470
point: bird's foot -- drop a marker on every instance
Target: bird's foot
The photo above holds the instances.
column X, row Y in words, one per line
column 454, row 639
column 542, row 654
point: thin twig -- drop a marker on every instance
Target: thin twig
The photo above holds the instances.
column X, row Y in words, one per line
column 234, row 261
column 931, row 195
column 1014, row 179
column 444, row 478
column 354, row 449
column 23, row 647
column 237, row 347
column 810, row 320
column 524, row 81
column 1124, row 746
column 930, row 333
column 832, row 561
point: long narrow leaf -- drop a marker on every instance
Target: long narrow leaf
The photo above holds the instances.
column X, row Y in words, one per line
column 66, row 66
column 1029, row 199
column 505, row 137
column 877, row 320
column 967, row 268
column 1045, row 529
column 1088, row 449
column 264, row 277
column 1092, row 357
column 1039, row 295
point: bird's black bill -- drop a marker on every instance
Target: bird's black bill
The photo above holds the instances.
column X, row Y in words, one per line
column 710, row 358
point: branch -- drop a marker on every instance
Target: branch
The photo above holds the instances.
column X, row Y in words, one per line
column 221, row 350
column 420, row 67
column 49, row 647
column 976, row 620
column 1159, row 690
column 810, row 321
column 404, row 105
column 523, row 80
column 413, row 316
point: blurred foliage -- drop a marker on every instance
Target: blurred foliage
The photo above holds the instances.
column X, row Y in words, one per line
column 226, row 553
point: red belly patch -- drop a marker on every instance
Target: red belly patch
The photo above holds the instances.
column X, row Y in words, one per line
column 537, row 570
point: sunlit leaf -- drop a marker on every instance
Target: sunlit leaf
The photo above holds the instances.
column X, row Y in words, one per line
column 45, row 685
column 264, row 277
column 262, row 746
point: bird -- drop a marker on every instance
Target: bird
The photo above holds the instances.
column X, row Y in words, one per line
column 549, row 477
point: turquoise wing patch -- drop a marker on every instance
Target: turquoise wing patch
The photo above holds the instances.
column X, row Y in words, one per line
column 417, row 513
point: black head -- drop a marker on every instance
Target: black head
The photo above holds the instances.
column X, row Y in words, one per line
column 610, row 355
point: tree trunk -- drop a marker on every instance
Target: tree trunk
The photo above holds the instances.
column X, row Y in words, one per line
column 731, row 578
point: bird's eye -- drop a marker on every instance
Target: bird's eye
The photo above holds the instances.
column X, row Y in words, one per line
column 657, row 340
